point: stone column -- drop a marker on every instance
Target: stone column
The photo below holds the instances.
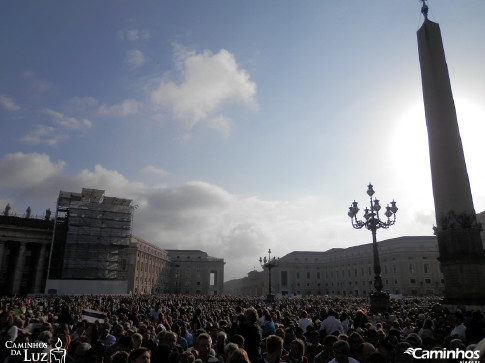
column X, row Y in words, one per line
column 18, row 268
column 39, row 269
column 2, row 252
column 460, row 246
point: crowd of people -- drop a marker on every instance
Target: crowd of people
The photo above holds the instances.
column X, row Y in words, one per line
column 223, row 329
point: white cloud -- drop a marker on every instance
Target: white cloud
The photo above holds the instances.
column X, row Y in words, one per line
column 8, row 103
column 221, row 124
column 43, row 134
column 84, row 101
column 126, row 108
column 133, row 35
column 150, row 169
column 199, row 215
column 49, row 135
column 209, row 81
column 194, row 215
column 37, row 84
column 69, row 123
column 134, row 59
column 20, row 170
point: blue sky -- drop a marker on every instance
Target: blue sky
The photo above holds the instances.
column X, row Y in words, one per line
column 235, row 126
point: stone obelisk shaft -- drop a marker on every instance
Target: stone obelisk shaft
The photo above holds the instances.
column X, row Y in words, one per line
column 460, row 246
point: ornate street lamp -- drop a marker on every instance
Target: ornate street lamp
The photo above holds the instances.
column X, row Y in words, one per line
column 379, row 300
column 269, row 264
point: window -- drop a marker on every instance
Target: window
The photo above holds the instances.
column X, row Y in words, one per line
column 426, row 268
column 284, row 278
column 411, row 269
column 318, row 275
column 394, row 268
column 212, row 278
column 427, row 281
column 297, row 275
column 308, row 275
column 412, row 281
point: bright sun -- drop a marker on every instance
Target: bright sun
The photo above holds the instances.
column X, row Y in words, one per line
column 411, row 153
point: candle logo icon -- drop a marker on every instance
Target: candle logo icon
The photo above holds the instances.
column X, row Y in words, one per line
column 58, row 354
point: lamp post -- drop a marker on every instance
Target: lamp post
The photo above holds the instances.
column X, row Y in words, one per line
column 379, row 300
column 269, row 263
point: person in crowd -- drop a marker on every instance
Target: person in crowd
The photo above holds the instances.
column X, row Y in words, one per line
column 313, row 346
column 203, row 346
column 268, row 326
column 139, row 355
column 167, row 351
column 252, row 333
column 120, row 357
column 296, row 353
column 304, row 322
column 459, row 329
column 331, row 324
column 364, row 351
column 274, row 348
column 229, row 348
column 239, row 356
column 341, row 350
column 326, row 355
column 105, row 338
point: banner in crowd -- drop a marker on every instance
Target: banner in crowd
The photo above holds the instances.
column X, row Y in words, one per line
column 91, row 316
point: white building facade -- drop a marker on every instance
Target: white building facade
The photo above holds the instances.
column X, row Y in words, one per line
column 409, row 267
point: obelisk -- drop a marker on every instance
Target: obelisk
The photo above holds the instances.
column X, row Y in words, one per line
column 461, row 251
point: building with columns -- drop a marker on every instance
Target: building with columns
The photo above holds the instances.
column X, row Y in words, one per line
column 251, row 285
column 194, row 272
column 409, row 267
column 147, row 267
column 24, row 252
column 94, row 252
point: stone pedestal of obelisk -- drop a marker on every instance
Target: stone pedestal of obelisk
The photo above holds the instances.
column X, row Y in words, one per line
column 460, row 246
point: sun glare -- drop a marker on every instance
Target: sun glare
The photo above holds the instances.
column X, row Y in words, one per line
column 411, row 153
column 471, row 121
column 410, row 144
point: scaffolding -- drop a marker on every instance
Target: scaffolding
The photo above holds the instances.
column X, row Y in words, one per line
column 91, row 231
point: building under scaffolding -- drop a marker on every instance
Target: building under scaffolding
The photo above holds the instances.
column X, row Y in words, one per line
column 90, row 231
